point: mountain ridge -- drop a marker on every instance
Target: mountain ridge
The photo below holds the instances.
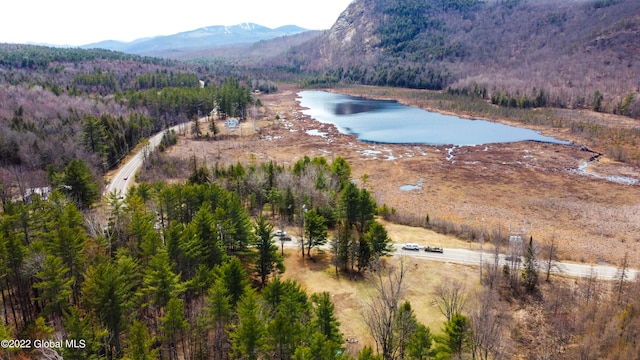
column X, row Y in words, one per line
column 209, row 36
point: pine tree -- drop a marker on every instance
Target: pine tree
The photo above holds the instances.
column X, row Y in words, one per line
column 174, row 325
column 268, row 260
column 160, row 283
column 80, row 329
column 530, row 268
column 247, row 336
column 234, row 278
column 324, row 317
column 315, row 228
column 219, row 311
column 109, row 291
column 455, row 338
column 203, row 244
column 420, row 343
column 380, row 242
column 405, row 326
column 55, row 285
column 140, row 343
column 78, row 184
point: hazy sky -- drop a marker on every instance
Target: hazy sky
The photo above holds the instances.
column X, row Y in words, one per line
column 79, row 22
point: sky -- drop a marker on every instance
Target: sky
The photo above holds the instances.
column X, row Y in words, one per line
column 80, row 22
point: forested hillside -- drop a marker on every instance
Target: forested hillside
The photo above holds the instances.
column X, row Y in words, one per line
column 63, row 104
column 577, row 54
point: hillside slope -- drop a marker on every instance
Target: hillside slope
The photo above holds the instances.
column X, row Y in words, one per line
column 568, row 49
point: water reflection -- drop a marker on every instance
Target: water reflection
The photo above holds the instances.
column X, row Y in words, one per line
column 358, row 105
column 383, row 121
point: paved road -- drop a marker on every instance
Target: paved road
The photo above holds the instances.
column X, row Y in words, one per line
column 124, row 178
column 472, row 257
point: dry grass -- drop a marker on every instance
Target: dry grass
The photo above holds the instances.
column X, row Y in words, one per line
column 351, row 296
column 527, row 185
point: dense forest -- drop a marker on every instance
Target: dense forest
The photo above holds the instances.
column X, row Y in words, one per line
column 65, row 104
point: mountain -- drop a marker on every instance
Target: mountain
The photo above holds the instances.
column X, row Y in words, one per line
column 206, row 37
column 571, row 50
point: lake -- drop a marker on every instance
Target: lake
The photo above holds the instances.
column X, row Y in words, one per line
column 386, row 121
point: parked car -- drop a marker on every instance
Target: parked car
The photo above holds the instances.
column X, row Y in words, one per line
column 414, row 247
column 279, row 233
column 435, row 249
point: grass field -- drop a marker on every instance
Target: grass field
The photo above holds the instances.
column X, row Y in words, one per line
column 351, row 296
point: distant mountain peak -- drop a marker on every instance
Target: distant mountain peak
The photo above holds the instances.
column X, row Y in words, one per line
column 204, row 37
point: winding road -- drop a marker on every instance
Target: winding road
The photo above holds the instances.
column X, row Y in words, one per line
column 124, row 177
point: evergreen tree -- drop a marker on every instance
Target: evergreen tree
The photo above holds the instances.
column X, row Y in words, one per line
column 365, row 254
column 349, row 204
column 315, row 229
column 288, row 313
column 530, row 268
column 247, row 336
column 596, row 101
column 380, row 242
column 419, row 346
column 455, row 338
column 268, row 260
column 404, row 328
column 54, row 284
column 109, row 291
column 95, row 137
column 78, row 184
column 203, row 244
column 66, row 238
column 219, row 311
column 234, row 278
column 324, row 317
column 160, row 283
column 366, row 210
column 140, row 343
column 80, row 329
column 195, row 128
column 341, row 168
column 174, row 325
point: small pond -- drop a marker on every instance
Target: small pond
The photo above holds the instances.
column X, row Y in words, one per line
column 383, row 121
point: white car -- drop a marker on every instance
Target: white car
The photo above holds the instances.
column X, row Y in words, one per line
column 280, row 233
column 414, row 247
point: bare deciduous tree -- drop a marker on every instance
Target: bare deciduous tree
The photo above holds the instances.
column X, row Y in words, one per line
column 450, row 297
column 380, row 317
column 486, row 327
column 492, row 268
column 622, row 277
column 550, row 256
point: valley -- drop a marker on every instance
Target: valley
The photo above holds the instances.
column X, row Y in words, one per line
column 496, row 189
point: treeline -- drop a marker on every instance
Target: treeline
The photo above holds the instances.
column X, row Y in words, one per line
column 418, row 77
column 15, row 56
column 627, row 106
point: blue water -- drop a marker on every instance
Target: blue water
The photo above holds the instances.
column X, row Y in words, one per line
column 384, row 121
